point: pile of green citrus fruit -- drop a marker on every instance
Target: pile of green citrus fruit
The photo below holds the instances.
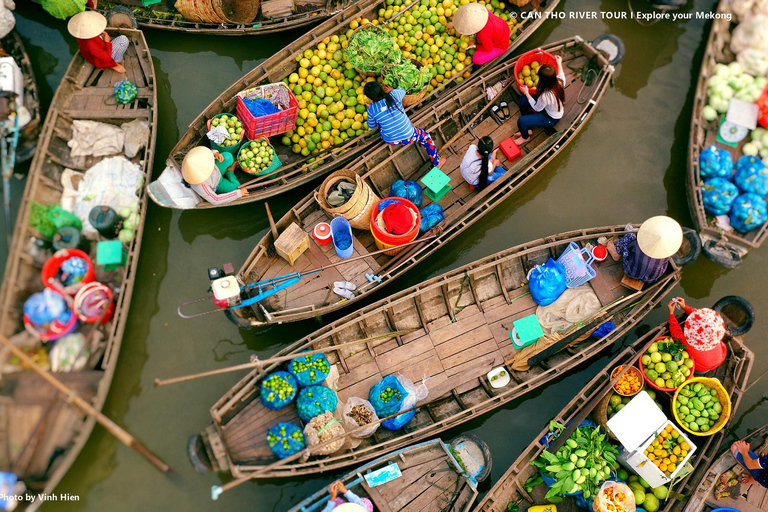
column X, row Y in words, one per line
column 667, row 364
column 233, row 126
column 255, row 156
column 698, row 407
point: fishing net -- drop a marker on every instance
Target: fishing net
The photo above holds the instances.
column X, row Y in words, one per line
column 323, row 428
column 715, row 163
column 285, row 439
column 718, row 195
column 572, row 306
column 278, row 390
column 314, row 401
column 309, row 370
column 359, row 412
column 751, row 175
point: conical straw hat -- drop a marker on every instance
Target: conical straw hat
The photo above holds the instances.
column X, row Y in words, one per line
column 470, row 19
column 198, row 165
column 660, row 237
column 87, row 24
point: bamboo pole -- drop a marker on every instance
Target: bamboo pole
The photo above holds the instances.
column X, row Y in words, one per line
column 75, row 400
column 257, row 363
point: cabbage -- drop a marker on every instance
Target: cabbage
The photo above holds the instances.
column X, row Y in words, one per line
column 709, row 113
column 721, row 70
column 749, row 149
column 129, row 224
column 758, row 132
column 735, row 83
column 748, row 79
column 734, row 69
column 716, row 81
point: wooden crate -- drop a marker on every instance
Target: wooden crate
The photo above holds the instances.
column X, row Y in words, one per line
column 292, row 243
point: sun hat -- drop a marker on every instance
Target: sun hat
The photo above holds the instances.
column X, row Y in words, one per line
column 660, row 237
column 198, row 165
column 469, row 19
column 349, row 507
column 87, row 24
column 704, row 329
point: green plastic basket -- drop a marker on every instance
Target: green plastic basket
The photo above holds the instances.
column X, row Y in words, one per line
column 275, row 165
column 234, row 150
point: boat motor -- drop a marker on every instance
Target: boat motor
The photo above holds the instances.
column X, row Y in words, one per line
column 225, row 287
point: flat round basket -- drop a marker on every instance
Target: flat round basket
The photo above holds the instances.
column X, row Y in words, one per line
column 363, row 28
column 473, row 455
column 601, row 414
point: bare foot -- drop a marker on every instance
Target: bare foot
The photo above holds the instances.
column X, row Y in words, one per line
column 519, row 140
column 747, row 479
column 119, row 68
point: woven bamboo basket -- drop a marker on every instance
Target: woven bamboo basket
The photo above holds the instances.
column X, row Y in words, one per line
column 359, row 216
column 219, row 11
column 371, row 26
column 200, row 11
column 418, row 97
column 358, row 209
column 601, row 414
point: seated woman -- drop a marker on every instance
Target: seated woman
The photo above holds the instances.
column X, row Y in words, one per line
column 95, row 44
column 756, row 466
column 353, row 504
column 477, row 163
column 547, row 109
column 646, row 254
column 702, row 336
column 211, row 175
column 490, row 31
column 388, row 115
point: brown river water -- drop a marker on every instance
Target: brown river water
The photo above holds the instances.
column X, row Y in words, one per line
column 627, row 164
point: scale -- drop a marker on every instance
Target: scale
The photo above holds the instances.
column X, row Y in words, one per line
column 731, row 133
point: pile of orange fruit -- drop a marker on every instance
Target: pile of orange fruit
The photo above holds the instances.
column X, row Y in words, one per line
column 629, row 383
column 668, row 450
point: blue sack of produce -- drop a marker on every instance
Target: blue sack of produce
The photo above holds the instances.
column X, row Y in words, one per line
column 718, row 195
column 751, row 175
column 715, row 163
column 547, row 282
column 409, row 190
column 314, row 401
column 278, row 390
column 260, row 107
column 414, row 393
column 285, row 439
column 431, row 216
column 387, row 396
column 748, row 212
column 309, row 370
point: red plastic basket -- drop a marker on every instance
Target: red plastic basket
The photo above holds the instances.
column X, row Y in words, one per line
column 653, row 384
column 273, row 124
column 544, row 58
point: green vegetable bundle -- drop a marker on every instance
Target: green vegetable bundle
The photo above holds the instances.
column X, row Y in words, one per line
column 580, row 465
column 371, row 48
column 39, row 219
column 406, row 75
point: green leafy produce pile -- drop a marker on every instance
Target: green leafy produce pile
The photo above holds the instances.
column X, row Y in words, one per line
column 406, row 75
column 39, row 219
column 371, row 48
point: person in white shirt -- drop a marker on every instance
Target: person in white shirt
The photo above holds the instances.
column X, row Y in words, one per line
column 548, row 108
column 480, row 167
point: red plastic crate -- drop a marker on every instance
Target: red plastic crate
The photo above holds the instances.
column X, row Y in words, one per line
column 510, row 149
column 544, row 58
column 273, row 124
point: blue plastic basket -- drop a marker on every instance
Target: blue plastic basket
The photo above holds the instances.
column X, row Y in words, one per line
column 577, row 270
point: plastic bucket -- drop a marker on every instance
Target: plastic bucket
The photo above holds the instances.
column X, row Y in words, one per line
column 275, row 165
column 228, row 149
column 65, row 324
column 52, row 266
column 91, row 300
column 340, row 226
column 722, row 395
column 543, row 58
column 599, row 252
column 386, row 240
column 322, row 233
column 105, row 220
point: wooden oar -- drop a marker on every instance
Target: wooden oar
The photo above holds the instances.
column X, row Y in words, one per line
column 257, row 363
column 72, row 398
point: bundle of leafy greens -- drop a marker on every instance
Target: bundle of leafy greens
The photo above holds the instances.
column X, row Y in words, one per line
column 406, row 75
column 371, row 48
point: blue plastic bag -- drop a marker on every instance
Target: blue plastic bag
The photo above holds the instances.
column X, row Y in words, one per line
column 751, row 175
column 309, row 370
column 431, row 216
column 285, row 439
column 45, row 307
column 603, row 330
column 387, row 396
column 314, row 401
column 749, row 211
column 547, row 282
column 715, row 163
column 398, row 422
column 718, row 195
column 260, row 107
column 278, row 390
column 409, row 190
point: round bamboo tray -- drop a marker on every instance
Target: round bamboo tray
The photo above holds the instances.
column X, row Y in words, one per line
column 371, row 26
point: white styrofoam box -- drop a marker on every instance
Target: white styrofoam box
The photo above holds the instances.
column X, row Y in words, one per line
column 637, row 421
column 642, row 465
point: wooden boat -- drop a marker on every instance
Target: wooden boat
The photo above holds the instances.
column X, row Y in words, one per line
column 455, row 123
column 432, row 480
column 725, row 249
column 452, row 330
column 733, row 374
column 13, row 46
column 752, row 498
column 168, row 190
column 44, row 437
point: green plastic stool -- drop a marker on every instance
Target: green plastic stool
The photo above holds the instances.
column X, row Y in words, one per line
column 438, row 184
column 528, row 331
column 110, row 254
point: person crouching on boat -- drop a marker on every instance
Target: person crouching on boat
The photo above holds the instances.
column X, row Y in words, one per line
column 490, row 31
column 478, row 163
column 702, row 336
column 211, row 175
column 547, row 109
column 353, row 504
column 95, row 44
column 646, row 255
column 386, row 112
column 756, row 466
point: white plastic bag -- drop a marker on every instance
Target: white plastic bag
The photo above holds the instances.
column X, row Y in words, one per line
column 94, row 138
column 136, row 134
column 323, row 428
column 350, row 424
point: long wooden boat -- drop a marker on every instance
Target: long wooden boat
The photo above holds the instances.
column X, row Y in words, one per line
column 168, row 190
column 754, row 498
column 41, row 436
column 454, row 123
column 460, row 323
column 14, row 46
column 733, row 374
column 725, row 249
column 431, row 480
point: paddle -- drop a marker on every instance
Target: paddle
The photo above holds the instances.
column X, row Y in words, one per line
column 8, row 162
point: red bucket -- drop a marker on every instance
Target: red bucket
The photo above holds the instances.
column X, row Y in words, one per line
column 322, row 233
column 52, row 266
column 385, row 240
column 92, row 300
column 539, row 55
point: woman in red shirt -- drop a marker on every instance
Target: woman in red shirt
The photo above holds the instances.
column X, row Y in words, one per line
column 95, row 44
column 490, row 31
column 702, row 336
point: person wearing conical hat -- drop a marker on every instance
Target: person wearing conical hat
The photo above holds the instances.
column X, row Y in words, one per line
column 702, row 335
column 209, row 173
column 96, row 46
column 353, row 504
column 646, row 254
column 491, row 32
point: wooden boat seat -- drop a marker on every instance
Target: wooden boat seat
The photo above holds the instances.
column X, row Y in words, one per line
column 632, row 284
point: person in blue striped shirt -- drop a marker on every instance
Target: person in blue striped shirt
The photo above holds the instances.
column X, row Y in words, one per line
column 386, row 112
